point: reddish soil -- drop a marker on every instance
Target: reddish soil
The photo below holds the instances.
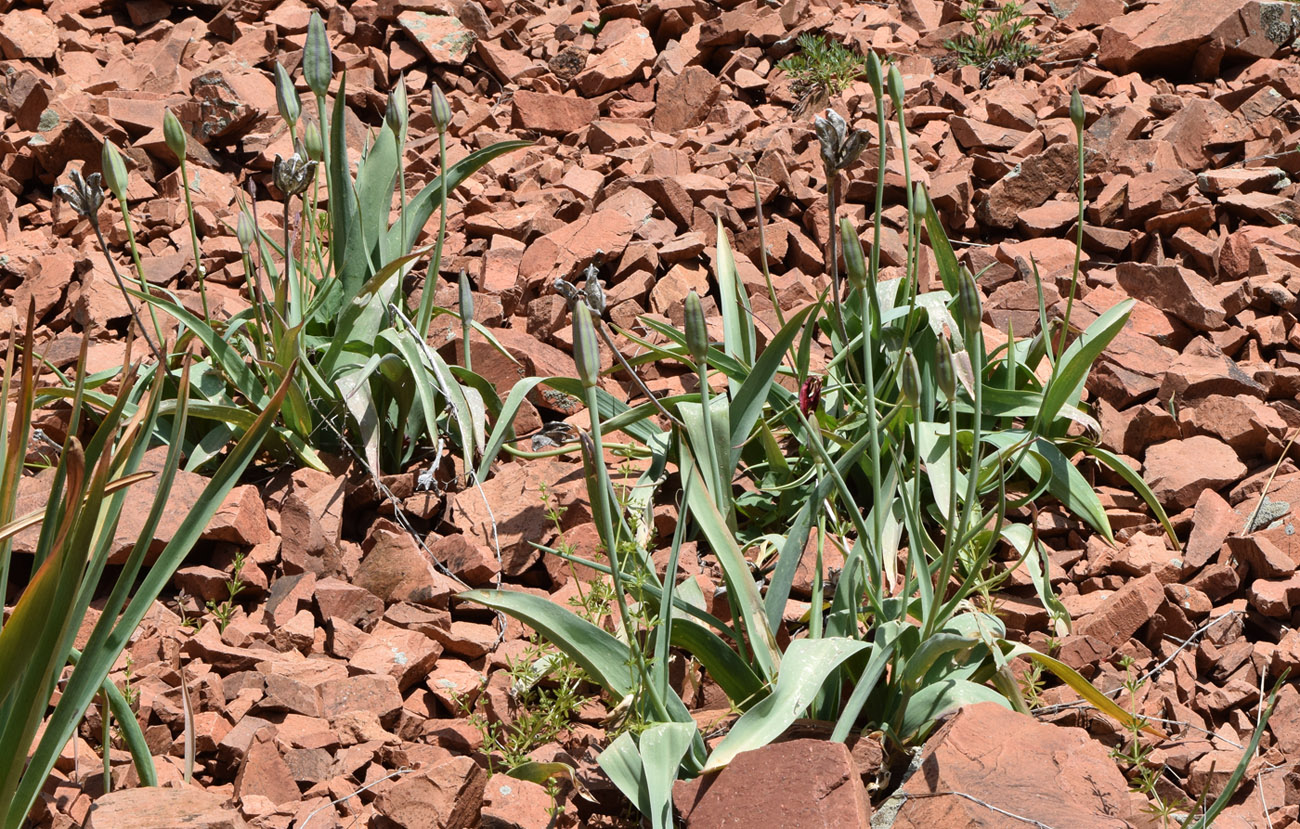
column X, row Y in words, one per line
column 645, row 131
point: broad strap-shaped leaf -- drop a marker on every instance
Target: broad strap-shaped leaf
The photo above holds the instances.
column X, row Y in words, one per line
column 662, row 748
column 1081, row 686
column 944, row 256
column 1133, row 479
column 804, row 669
column 755, row 390
column 935, row 700
column 1072, row 369
column 110, row 635
column 605, row 659
column 767, row 654
column 736, row 679
column 420, row 208
column 737, row 322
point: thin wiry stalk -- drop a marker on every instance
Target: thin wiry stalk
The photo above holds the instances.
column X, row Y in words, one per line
column 762, row 248
column 130, row 304
column 425, row 313
column 199, row 270
column 1078, row 245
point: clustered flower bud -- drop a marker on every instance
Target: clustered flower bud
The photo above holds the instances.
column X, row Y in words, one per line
column 855, row 262
column 293, row 175
column 114, row 167
column 286, row 97
column 85, row 195
column 840, row 146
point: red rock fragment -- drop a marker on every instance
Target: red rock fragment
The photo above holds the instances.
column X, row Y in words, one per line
column 1178, row 470
column 552, row 114
column 448, row 796
column 796, row 783
column 1050, row 774
column 1115, row 620
column 509, row 803
column 162, row 808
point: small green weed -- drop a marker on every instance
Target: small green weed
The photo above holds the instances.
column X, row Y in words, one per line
column 998, row 42
column 1137, row 756
column 224, row 610
column 820, row 70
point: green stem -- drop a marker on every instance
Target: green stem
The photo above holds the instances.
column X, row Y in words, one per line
column 130, row 304
column 425, row 314
column 139, row 267
column 194, row 242
column 605, row 525
column 1078, row 248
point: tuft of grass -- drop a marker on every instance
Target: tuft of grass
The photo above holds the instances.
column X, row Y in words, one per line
column 998, row 42
column 822, row 69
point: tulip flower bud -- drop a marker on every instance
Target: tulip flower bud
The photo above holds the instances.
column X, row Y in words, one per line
column 945, row 373
column 395, row 112
column 441, row 110
column 174, row 134
column 1076, row 109
column 286, row 97
column 909, row 379
column 312, row 143
column 896, row 87
column 697, row 333
column 317, row 61
column 855, row 263
column 466, row 297
column 115, row 178
column 874, row 76
column 245, row 232
column 586, row 349
column 968, row 300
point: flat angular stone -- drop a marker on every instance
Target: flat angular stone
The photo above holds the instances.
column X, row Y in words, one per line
column 1057, row 776
column 1179, row 470
column 442, row 37
column 1186, row 294
column 1117, row 618
column 792, row 784
column 162, row 808
column 552, row 114
column 447, row 796
column 1182, row 35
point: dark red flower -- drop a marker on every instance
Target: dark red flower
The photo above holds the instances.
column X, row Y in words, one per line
column 810, row 394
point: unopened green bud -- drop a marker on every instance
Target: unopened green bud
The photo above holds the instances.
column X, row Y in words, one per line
column 874, row 76
column 586, row 350
column 312, row 143
column 395, row 113
column 114, row 167
column 286, row 97
column 945, row 373
column 1076, row 109
column 466, row 297
column 909, row 379
column 174, row 134
column 317, row 61
column 245, row 232
column 855, row 263
column 697, row 332
column 441, row 109
column 896, row 87
column 968, row 300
